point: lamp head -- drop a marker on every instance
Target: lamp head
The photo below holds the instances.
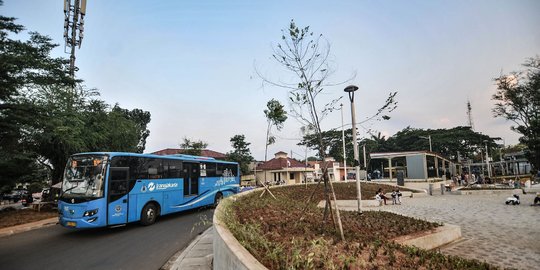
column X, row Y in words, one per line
column 350, row 88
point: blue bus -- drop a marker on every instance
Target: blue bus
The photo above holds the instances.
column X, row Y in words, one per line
column 113, row 188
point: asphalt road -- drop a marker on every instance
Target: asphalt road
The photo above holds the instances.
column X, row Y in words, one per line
column 129, row 247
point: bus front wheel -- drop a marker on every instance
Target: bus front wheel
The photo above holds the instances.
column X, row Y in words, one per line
column 218, row 199
column 149, row 214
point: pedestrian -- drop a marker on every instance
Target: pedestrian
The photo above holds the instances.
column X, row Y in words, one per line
column 396, row 196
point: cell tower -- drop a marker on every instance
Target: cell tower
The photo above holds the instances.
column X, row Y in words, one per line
column 469, row 115
column 74, row 11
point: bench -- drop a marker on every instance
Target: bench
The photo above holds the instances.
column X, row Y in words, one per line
column 37, row 205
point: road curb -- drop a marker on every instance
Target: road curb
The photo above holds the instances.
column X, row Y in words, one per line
column 28, row 227
column 176, row 261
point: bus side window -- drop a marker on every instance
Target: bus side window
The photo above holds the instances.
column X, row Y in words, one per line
column 233, row 169
column 175, row 169
column 142, row 168
column 220, row 169
column 211, row 169
column 153, row 169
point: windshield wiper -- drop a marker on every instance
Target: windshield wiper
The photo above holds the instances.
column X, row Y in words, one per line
column 69, row 189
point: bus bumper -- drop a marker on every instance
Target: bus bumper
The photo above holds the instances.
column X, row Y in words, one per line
column 81, row 216
column 81, row 223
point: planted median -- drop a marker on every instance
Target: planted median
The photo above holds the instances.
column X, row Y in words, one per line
column 289, row 233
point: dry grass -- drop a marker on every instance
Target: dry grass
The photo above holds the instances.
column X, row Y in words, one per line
column 12, row 217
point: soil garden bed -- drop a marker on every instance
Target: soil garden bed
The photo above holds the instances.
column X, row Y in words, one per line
column 288, row 233
column 347, row 191
column 487, row 188
column 12, row 217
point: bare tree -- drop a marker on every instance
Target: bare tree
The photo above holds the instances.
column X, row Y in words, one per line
column 306, row 56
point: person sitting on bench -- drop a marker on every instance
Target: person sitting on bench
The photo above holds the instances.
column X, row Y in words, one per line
column 381, row 196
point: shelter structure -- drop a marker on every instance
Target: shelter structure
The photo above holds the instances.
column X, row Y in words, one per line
column 414, row 165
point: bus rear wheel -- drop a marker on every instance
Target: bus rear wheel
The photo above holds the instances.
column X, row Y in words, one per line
column 218, row 199
column 149, row 214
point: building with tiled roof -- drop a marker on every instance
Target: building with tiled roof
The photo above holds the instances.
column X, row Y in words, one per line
column 283, row 170
column 336, row 170
column 204, row 153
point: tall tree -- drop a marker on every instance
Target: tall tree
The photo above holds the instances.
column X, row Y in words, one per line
column 86, row 124
column 43, row 119
column 141, row 119
column 448, row 142
column 518, row 100
column 460, row 140
column 23, row 65
column 192, row 147
column 275, row 116
column 241, row 153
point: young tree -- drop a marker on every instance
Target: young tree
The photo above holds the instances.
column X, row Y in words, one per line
column 192, row 147
column 518, row 100
column 275, row 116
column 305, row 55
column 241, row 153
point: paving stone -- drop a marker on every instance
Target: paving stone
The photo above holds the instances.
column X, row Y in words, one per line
column 500, row 234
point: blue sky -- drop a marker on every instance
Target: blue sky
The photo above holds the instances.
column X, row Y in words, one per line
column 191, row 63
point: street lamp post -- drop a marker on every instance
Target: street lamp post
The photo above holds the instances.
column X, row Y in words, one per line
column 343, row 139
column 350, row 90
column 487, row 161
column 428, row 138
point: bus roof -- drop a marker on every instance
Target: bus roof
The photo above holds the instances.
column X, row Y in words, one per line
column 175, row 156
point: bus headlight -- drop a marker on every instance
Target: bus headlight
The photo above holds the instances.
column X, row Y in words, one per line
column 90, row 213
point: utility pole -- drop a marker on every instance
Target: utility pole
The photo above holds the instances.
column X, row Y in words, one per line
column 428, row 138
column 487, row 161
column 469, row 115
column 365, row 160
column 343, row 139
column 74, row 12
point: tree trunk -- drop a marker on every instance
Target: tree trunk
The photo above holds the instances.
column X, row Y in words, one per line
column 338, row 216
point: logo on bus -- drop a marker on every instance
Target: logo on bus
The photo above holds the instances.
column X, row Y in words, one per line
column 228, row 177
column 152, row 186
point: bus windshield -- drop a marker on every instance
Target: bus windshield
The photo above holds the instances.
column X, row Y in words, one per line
column 84, row 177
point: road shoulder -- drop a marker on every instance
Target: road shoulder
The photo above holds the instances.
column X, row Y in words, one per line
column 28, row 226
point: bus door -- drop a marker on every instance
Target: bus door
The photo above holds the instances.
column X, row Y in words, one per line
column 118, row 198
column 191, row 178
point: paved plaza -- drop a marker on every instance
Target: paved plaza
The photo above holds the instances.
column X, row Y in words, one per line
column 504, row 235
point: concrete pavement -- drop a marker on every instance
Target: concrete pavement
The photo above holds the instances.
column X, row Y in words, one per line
column 197, row 256
column 503, row 235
